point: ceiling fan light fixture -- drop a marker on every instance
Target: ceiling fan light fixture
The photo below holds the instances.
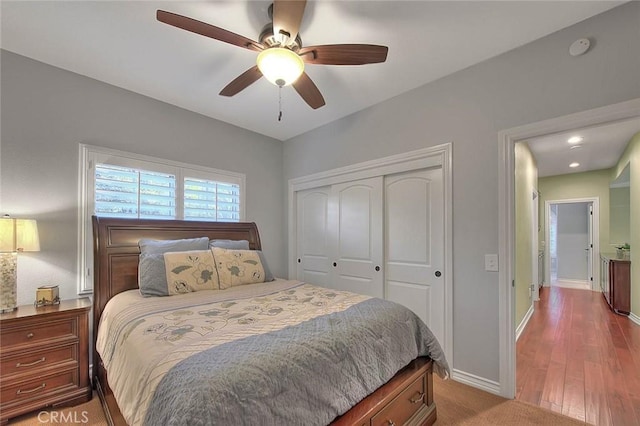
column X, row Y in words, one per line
column 279, row 65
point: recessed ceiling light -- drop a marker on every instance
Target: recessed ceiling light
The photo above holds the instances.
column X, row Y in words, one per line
column 574, row 165
column 575, row 139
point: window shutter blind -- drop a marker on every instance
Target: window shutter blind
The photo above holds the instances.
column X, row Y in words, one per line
column 211, row 200
column 134, row 193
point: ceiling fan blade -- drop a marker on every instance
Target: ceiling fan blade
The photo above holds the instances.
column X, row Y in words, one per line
column 241, row 82
column 344, row 54
column 207, row 30
column 307, row 89
column 287, row 16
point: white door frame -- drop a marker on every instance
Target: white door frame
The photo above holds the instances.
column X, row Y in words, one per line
column 436, row 156
column 595, row 203
column 535, row 257
column 506, row 218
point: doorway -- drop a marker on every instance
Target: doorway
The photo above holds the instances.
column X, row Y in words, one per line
column 506, row 218
column 571, row 227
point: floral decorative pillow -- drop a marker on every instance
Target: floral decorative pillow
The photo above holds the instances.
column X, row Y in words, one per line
column 152, row 278
column 237, row 267
column 189, row 271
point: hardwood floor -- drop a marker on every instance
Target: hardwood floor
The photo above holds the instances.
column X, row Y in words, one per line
column 578, row 358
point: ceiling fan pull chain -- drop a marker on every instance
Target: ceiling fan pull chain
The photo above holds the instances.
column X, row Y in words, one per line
column 280, row 103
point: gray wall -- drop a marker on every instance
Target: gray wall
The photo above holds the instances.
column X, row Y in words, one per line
column 535, row 82
column 572, row 240
column 47, row 112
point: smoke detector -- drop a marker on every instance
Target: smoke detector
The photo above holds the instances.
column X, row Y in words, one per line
column 579, row 47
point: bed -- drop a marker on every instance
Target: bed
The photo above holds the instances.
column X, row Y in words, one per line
column 404, row 397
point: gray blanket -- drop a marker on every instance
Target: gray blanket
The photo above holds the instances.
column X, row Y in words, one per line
column 306, row 374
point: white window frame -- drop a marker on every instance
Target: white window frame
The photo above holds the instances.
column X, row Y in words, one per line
column 91, row 155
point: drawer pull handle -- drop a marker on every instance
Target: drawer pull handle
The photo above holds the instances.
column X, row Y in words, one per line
column 31, row 364
column 417, row 399
column 391, row 423
column 20, row 391
column 29, row 335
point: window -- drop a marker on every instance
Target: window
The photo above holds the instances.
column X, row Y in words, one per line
column 121, row 184
column 210, row 200
column 135, row 193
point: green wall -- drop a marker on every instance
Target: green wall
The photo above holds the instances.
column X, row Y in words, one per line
column 631, row 156
column 619, row 217
column 526, row 177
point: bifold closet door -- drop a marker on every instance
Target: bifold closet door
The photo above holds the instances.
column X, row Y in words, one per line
column 355, row 223
column 313, row 236
column 414, row 236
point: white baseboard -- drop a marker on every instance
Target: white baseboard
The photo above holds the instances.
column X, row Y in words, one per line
column 633, row 317
column 524, row 322
column 476, row 381
column 568, row 283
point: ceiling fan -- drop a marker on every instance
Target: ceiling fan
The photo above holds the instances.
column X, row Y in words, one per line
column 282, row 57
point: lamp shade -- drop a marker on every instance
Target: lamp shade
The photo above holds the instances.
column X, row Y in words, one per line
column 7, row 235
column 18, row 235
column 27, row 235
column 280, row 66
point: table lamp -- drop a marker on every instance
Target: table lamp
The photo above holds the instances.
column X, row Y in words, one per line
column 16, row 235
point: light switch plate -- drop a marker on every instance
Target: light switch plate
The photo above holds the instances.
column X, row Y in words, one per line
column 491, row 262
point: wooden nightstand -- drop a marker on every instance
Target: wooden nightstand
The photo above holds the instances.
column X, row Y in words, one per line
column 44, row 357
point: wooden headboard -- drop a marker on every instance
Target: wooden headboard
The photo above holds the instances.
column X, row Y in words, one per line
column 115, row 250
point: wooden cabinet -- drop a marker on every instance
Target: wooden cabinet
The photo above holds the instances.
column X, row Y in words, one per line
column 615, row 283
column 44, row 357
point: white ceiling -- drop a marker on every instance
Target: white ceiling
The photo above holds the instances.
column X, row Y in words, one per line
column 121, row 43
column 600, row 148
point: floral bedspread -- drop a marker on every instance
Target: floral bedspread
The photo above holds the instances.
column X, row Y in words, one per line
column 140, row 339
column 281, row 352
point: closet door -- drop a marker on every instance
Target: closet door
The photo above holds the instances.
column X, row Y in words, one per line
column 414, row 235
column 356, row 224
column 313, row 235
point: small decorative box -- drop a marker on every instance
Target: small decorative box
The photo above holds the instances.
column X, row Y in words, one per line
column 47, row 295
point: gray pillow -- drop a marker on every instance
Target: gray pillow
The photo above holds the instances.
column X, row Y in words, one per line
column 152, row 278
column 230, row 244
column 268, row 276
column 148, row 246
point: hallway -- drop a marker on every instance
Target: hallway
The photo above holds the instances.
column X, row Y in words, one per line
column 578, row 358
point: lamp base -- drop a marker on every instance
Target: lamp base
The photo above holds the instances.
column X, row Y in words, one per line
column 8, row 282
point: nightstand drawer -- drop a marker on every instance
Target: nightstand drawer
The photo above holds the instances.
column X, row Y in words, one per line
column 28, row 334
column 403, row 406
column 41, row 387
column 25, row 363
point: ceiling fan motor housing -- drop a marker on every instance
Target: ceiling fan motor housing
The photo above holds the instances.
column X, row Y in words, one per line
column 269, row 39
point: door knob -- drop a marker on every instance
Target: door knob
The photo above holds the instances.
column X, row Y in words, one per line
column 377, row 268
column 299, row 260
column 335, row 264
column 438, row 273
